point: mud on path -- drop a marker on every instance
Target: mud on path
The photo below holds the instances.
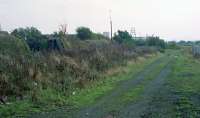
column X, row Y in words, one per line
column 154, row 100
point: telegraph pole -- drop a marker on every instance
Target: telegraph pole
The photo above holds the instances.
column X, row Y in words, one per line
column 111, row 27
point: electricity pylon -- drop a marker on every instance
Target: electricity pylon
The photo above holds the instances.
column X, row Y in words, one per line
column 133, row 32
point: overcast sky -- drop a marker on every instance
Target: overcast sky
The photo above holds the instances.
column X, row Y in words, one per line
column 169, row 19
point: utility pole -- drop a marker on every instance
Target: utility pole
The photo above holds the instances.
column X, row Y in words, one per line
column 111, row 27
column 0, row 28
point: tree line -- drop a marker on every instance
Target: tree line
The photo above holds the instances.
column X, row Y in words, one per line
column 38, row 41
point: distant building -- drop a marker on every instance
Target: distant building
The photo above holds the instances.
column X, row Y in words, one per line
column 106, row 34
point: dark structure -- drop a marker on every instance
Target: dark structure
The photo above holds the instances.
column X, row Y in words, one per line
column 55, row 44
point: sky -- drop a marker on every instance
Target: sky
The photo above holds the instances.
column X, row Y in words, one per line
column 169, row 19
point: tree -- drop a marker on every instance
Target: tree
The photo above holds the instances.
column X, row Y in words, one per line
column 84, row 33
column 27, row 33
column 156, row 41
column 122, row 36
column 32, row 36
column 173, row 45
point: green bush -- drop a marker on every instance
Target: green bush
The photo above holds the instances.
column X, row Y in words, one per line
column 32, row 36
column 122, row 37
column 12, row 46
column 84, row 33
column 156, row 41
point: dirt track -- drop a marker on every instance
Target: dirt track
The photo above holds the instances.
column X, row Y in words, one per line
column 155, row 100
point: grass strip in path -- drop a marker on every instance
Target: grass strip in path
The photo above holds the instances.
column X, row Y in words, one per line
column 150, row 90
column 110, row 100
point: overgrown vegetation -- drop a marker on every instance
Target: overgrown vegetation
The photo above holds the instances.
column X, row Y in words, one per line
column 32, row 36
column 84, row 33
column 99, row 88
column 124, row 37
column 33, row 75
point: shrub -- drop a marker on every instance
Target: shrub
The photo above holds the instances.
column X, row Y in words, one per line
column 156, row 41
column 122, row 37
column 84, row 33
column 32, row 36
